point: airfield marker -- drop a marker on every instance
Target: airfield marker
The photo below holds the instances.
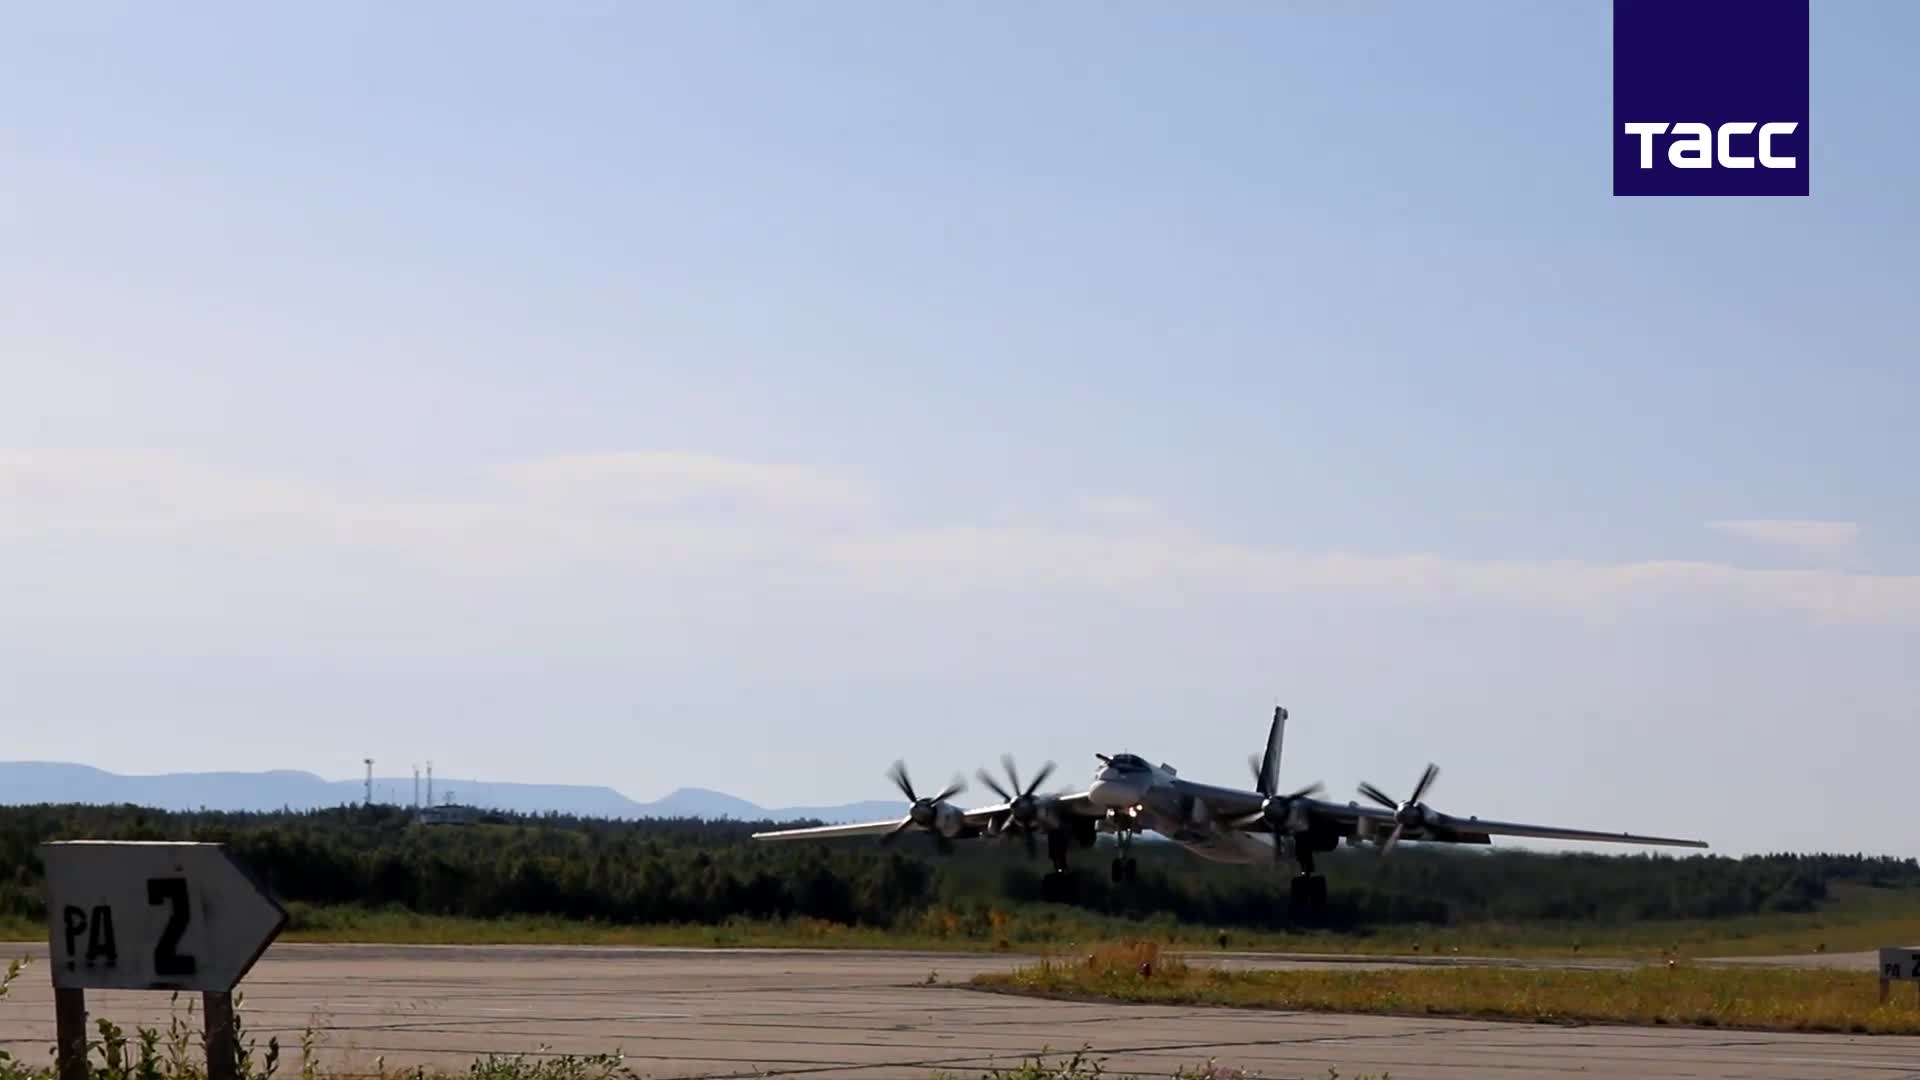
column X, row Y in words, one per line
column 151, row 915
column 1899, row 963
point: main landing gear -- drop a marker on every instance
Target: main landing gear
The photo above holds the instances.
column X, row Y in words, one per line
column 1057, row 845
column 1308, row 890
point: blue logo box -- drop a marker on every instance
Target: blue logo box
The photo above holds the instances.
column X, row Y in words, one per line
column 1710, row 97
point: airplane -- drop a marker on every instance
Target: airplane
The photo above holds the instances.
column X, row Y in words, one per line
column 1127, row 796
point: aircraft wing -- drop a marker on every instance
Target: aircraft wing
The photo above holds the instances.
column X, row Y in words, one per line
column 826, row 832
column 1448, row 828
column 1079, row 803
column 1553, row 832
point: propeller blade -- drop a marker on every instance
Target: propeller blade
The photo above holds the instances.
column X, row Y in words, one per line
column 1247, row 821
column 1039, row 778
column 1378, row 796
column 959, row 785
column 1426, row 781
column 898, row 774
column 905, row 824
column 1311, row 789
column 991, row 783
column 1013, row 775
column 1392, row 839
column 1253, row 766
column 1027, row 836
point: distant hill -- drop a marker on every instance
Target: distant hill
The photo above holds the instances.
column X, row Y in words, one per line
column 26, row 782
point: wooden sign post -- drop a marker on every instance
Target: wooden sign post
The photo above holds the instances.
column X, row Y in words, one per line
column 151, row 916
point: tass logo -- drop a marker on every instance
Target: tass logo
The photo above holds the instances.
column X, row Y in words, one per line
column 1697, row 146
column 1710, row 97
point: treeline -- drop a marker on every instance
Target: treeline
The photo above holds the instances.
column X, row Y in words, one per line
column 646, row 872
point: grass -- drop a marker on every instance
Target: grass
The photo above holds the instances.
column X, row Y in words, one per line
column 344, row 924
column 1769, row 999
column 1855, row 919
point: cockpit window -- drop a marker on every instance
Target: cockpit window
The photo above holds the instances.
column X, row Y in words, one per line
column 1130, row 762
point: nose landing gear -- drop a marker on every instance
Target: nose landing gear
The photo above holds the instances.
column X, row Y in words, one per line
column 1125, row 868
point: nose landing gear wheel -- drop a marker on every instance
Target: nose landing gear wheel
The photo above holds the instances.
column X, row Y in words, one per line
column 1125, row 869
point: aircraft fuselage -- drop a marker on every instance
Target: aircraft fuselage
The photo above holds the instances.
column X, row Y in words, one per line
column 1158, row 800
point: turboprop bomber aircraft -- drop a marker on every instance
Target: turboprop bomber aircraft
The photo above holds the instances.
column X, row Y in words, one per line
column 1128, row 796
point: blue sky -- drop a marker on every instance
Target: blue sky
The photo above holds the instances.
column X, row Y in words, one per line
column 744, row 395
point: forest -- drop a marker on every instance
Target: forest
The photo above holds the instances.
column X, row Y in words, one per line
column 694, row 872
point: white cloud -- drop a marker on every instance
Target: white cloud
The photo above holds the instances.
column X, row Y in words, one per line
column 537, row 520
column 1039, row 559
column 666, row 478
column 517, row 519
column 1831, row 542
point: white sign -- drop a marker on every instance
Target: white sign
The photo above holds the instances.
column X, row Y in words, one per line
column 1900, row 963
column 153, row 916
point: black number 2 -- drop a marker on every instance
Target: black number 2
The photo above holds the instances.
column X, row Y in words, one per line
column 171, row 891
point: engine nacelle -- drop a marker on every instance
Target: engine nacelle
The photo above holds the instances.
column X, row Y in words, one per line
column 1297, row 819
column 1286, row 815
column 948, row 820
column 1419, row 820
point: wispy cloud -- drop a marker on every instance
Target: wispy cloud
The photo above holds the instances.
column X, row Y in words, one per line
column 1038, row 559
column 572, row 515
column 1827, row 542
column 664, row 478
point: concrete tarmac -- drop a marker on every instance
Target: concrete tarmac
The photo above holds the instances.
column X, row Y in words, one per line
column 814, row 1013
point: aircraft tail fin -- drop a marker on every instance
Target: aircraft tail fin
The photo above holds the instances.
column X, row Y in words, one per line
column 1269, row 778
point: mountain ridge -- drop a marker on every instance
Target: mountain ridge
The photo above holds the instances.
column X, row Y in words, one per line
column 33, row 782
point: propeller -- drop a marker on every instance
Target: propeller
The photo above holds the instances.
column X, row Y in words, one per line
column 1024, row 808
column 1412, row 814
column 924, row 813
column 1280, row 813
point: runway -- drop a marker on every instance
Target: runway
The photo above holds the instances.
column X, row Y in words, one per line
column 823, row 1014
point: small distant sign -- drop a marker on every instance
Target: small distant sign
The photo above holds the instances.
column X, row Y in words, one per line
column 153, row 916
column 1900, row 964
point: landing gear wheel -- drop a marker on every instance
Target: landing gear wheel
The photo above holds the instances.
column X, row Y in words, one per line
column 1125, row 869
column 1057, row 888
column 1308, row 891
